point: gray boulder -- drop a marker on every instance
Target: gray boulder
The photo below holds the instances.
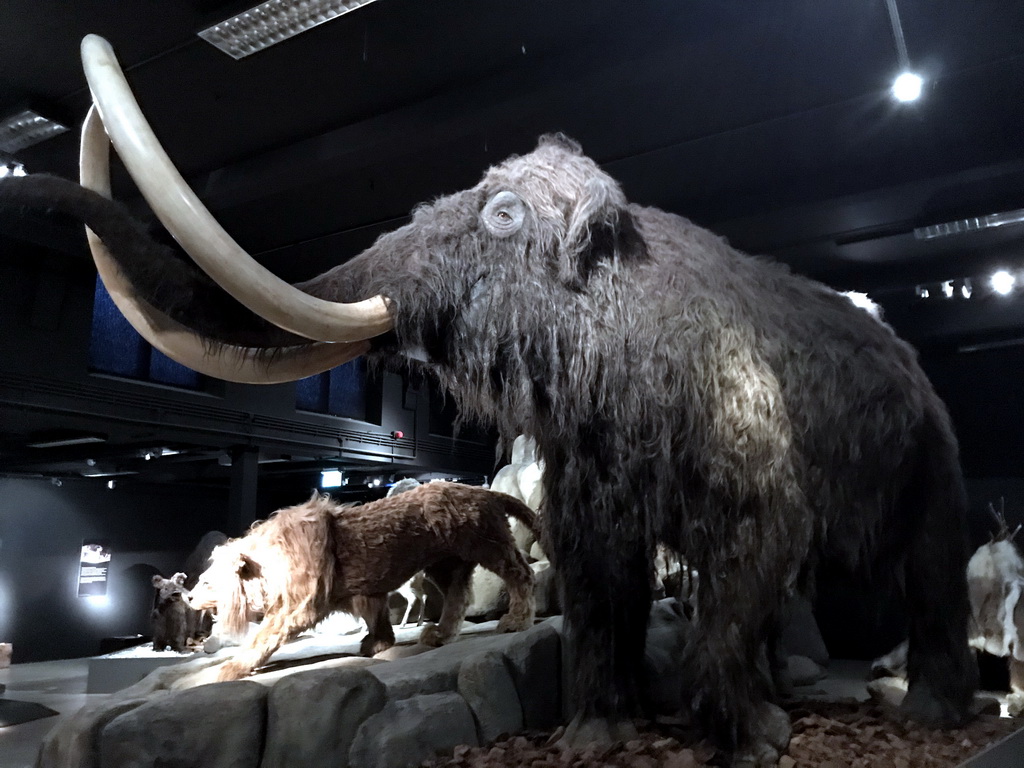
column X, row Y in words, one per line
column 213, row 726
column 313, row 717
column 535, row 660
column 804, row 671
column 486, row 684
column 407, row 732
column 74, row 743
column 668, row 632
column 800, row 633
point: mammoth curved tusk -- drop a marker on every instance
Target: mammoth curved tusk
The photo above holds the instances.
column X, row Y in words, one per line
column 231, row 363
column 195, row 229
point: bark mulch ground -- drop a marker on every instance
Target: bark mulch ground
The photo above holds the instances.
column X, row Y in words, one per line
column 825, row 735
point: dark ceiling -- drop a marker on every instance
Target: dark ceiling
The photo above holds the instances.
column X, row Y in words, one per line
column 770, row 123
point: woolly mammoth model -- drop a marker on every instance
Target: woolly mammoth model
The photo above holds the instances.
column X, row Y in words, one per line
column 678, row 391
column 307, row 561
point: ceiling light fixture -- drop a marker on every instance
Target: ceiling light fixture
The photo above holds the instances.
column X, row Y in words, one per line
column 58, row 442
column 26, row 128
column 273, row 22
column 973, row 224
column 908, row 84
column 990, row 345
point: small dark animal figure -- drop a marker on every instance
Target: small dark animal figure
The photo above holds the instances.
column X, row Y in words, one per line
column 679, row 392
column 308, row 561
column 174, row 620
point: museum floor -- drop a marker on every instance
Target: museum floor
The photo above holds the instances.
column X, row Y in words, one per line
column 59, row 685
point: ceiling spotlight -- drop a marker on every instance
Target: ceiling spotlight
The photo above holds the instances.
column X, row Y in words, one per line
column 907, row 87
column 966, row 289
column 1002, row 282
column 921, row 292
column 111, row 484
column 947, row 289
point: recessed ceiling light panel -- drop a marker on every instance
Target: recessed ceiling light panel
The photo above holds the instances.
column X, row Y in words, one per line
column 61, row 440
column 273, row 22
column 26, row 128
column 974, row 224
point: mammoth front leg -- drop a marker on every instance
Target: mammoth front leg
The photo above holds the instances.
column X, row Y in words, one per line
column 725, row 659
column 603, row 573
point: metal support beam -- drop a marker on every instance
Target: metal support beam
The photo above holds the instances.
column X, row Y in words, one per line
column 244, row 483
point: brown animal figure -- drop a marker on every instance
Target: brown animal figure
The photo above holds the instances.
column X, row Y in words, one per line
column 308, row 561
column 174, row 620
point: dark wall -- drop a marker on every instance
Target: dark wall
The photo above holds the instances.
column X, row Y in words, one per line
column 151, row 529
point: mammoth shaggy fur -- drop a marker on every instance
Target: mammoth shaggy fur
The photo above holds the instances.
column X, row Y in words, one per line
column 679, row 392
column 308, row 561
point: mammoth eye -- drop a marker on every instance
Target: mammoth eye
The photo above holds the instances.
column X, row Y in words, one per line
column 504, row 214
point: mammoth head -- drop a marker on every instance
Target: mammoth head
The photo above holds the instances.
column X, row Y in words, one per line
column 580, row 215
column 552, row 216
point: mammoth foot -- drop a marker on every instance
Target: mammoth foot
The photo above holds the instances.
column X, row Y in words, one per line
column 923, row 705
column 771, row 730
column 371, row 646
column 596, row 731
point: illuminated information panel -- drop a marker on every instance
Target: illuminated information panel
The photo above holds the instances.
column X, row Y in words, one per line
column 92, row 570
